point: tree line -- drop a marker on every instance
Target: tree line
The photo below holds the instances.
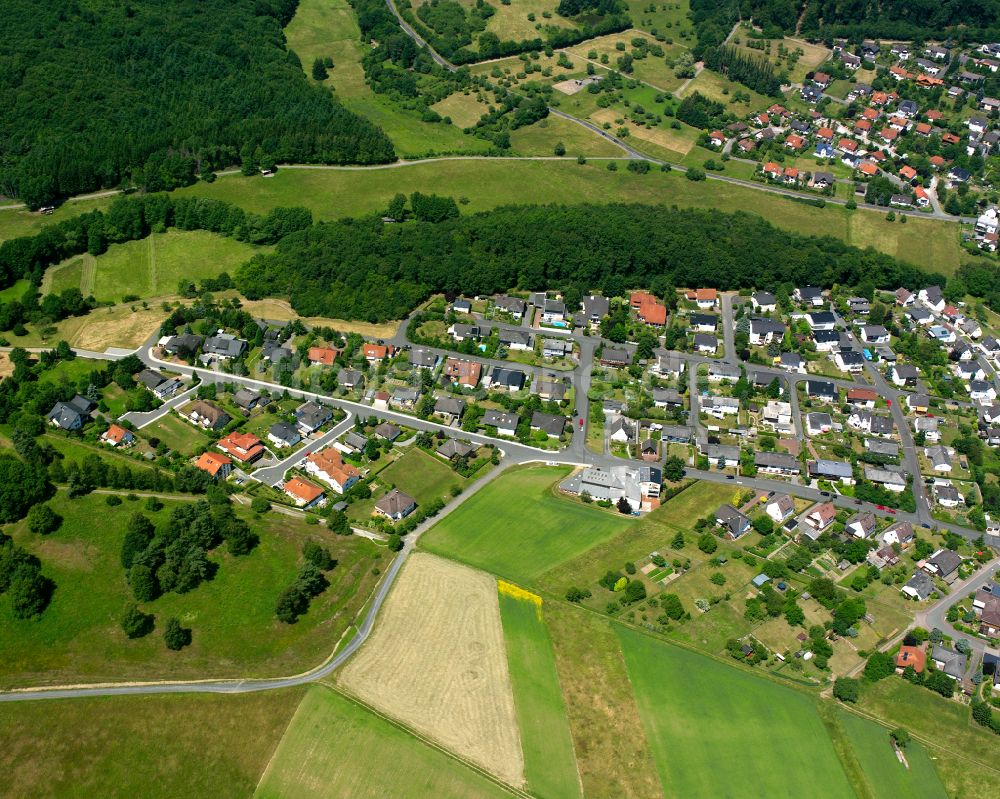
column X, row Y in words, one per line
column 364, row 269
column 754, row 72
column 155, row 95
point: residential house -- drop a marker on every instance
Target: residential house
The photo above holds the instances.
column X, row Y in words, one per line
column 395, row 505
column 554, row 313
column 403, row 397
column 246, row 399
column 387, row 431
column 449, row 409
column 720, row 407
column 946, row 495
column 505, row 423
column 705, row 343
column 940, row 459
column 763, row 301
column 504, row 379
column 208, row 415
column 621, row 429
column 777, row 463
column 849, row 361
column 423, row 358
column 911, row 657
column 818, row 423
column 763, row 331
column 949, row 661
column 556, row 348
column 890, row 479
column 918, row 403
column 219, row 466
column 463, row 332
column 71, row 415
column 732, row 521
column 183, row 346
column 862, row 397
column 615, row 357
column 452, row 449
column 222, row 346
column 900, row 533
column 328, row 465
column 244, row 447
column 720, row 455
column 780, row 507
column 282, row 434
column 920, row 586
column 834, row 471
column 932, row 298
column 777, row 415
column 550, row 389
column 943, row 564
column 717, row 372
column 703, row 322
column 862, row 525
column 810, row 295
column 311, row 416
column 513, row 306
column 705, row 299
column 548, row 423
column 303, row 493
column 350, row 379
column 904, row 375
column 792, row 362
column 820, row 516
column 928, row 425
column 822, row 390
column 821, row 320
column 668, row 364
column 117, row 436
column 465, row 373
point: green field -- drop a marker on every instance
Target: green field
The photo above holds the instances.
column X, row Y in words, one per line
column 719, row 731
column 883, row 772
column 424, row 477
column 323, row 28
column 517, row 528
column 235, row 633
column 177, row 434
column 154, row 747
column 542, row 138
column 964, row 753
column 151, row 267
column 488, row 183
column 549, row 762
column 335, row 748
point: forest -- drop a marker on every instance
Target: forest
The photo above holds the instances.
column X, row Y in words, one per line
column 961, row 20
column 155, row 94
column 364, row 269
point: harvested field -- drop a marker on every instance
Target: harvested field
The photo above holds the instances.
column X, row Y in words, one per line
column 281, row 310
column 464, row 109
column 117, row 328
column 438, row 663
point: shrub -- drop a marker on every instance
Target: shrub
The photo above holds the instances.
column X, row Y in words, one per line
column 43, row 520
column 846, row 690
column 135, row 623
column 707, row 543
column 175, row 636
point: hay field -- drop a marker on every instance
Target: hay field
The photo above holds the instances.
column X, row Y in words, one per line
column 438, row 663
column 662, row 137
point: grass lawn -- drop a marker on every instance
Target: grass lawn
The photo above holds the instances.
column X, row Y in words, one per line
column 964, row 754
column 881, row 769
column 717, row 87
column 177, row 434
column 517, row 528
column 424, row 477
column 487, row 184
column 149, row 746
column 235, row 632
column 511, row 23
column 151, row 267
column 334, row 747
column 670, row 19
column 323, row 28
column 22, row 222
column 613, row 755
column 542, row 137
column 693, row 709
column 549, row 762
column 640, row 538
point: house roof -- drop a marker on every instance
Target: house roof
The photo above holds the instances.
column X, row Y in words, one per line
column 332, row 463
column 395, row 503
column 212, row 462
column 911, row 656
column 116, row 434
column 323, row 355
column 303, row 490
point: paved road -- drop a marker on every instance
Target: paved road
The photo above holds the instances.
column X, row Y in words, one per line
column 936, row 614
column 274, row 475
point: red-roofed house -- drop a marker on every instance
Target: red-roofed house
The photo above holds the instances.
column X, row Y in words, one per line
column 923, row 200
column 888, row 134
column 950, row 138
column 777, row 110
column 219, row 466
column 847, row 145
column 705, row 298
column 117, row 436
column 717, row 138
column 899, row 123
column 791, row 175
column 937, row 161
column 795, row 142
column 934, row 115
column 245, row 447
column 825, row 133
column 324, row 356
column 868, row 168
column 329, row 467
column 879, row 98
column 772, row 170
column 762, row 119
column 377, row 352
column 899, row 73
column 303, row 493
column 871, row 114
column 923, row 129
column 911, row 656
column 821, row 79
column 907, row 172
column 863, row 127
column 653, row 313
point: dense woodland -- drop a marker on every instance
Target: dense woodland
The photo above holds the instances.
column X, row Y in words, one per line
column 154, row 94
column 961, row 20
column 364, row 269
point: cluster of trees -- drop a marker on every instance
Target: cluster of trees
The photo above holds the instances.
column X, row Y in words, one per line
column 309, row 582
column 699, row 111
column 184, row 89
column 754, row 72
column 22, row 485
column 175, row 557
column 132, row 218
column 363, row 269
column 22, row 580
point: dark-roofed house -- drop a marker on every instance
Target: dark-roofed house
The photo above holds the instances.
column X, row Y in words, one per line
column 611, row 356
column 450, row 409
column 355, row 442
column 504, row 379
column 387, row 431
column 595, row 308
column 776, row 463
column 247, row 399
column 282, row 434
column 944, row 564
column 548, row 389
column 223, row 346
column 919, row 586
column 206, row 414
column 732, row 521
column 350, row 379
column 824, row 469
column 425, row 359
column 821, row 390
column 516, row 339
column 453, row 448
column 505, row 423
column 311, row 416
column 183, row 345
column 949, row 661
column 861, row 525
column 395, row 505
column 549, row 423
column 71, row 415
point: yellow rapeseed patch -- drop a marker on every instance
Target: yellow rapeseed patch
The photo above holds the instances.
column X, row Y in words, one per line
column 515, row 591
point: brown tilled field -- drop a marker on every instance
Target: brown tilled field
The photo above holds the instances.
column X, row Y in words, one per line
column 437, row 662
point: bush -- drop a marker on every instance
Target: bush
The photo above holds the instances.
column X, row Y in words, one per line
column 42, row 520
column 113, row 500
column 318, row 555
column 175, row 636
column 879, row 666
column 260, row 505
column 846, row 690
column 135, row 623
column 707, row 543
column 575, row 594
column 695, row 173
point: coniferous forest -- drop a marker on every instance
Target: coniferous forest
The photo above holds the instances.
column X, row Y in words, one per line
column 153, row 94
